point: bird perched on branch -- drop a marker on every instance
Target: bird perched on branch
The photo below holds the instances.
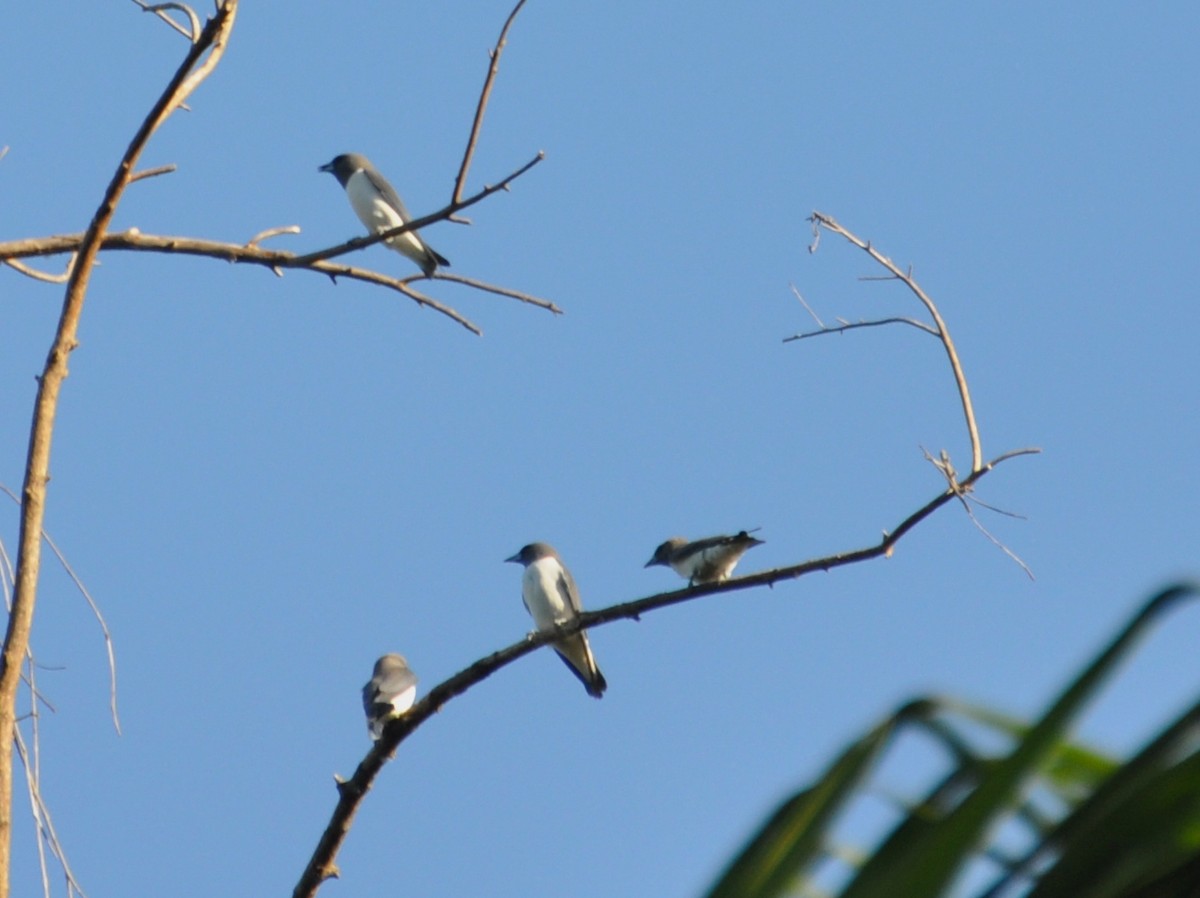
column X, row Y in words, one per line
column 380, row 208
column 552, row 599
column 709, row 560
column 390, row 692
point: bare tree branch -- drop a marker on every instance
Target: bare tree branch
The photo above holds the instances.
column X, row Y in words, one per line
column 322, row 865
column 160, row 10
column 501, row 291
column 153, row 172
column 211, row 41
column 849, row 326
column 251, row 253
column 820, row 221
column 45, row 276
column 245, row 253
column 461, row 181
column 272, row 232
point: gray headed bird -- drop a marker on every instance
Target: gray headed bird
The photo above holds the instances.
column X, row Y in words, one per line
column 708, row 560
column 390, row 692
column 552, row 599
column 380, row 208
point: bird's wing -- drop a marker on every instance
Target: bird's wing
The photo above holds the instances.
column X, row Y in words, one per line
column 704, row 545
column 379, row 182
column 568, row 590
column 397, row 681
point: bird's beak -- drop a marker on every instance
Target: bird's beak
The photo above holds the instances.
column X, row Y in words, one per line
column 652, row 562
column 515, row 559
column 328, row 166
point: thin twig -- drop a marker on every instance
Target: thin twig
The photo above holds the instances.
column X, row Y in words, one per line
column 997, row 543
column 461, row 181
column 322, row 866
column 807, row 308
column 963, row 493
column 160, row 10
column 849, row 326
column 501, row 291
column 45, row 276
column 272, row 232
column 45, row 822
column 153, row 172
column 819, row 221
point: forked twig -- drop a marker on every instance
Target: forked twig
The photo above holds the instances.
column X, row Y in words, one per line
column 822, row 221
column 461, row 181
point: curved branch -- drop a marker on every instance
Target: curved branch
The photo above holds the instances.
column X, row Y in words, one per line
column 44, row 276
column 351, row 791
column 820, row 220
column 244, row 253
column 251, row 253
column 212, row 40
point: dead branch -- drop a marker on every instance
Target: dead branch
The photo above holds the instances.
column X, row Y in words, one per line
column 272, row 232
column 485, row 287
column 820, row 221
column 351, row 791
column 317, row 261
column 44, row 276
column 153, row 172
column 160, row 10
column 195, row 67
column 849, row 326
column 461, row 181
column 245, row 253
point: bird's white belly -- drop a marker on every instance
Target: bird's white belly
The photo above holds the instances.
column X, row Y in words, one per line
column 545, row 602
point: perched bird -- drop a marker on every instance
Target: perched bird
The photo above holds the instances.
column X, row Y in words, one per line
column 708, row 560
column 380, row 208
column 552, row 599
column 390, row 692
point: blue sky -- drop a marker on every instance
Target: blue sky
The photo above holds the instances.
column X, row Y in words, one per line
column 268, row 482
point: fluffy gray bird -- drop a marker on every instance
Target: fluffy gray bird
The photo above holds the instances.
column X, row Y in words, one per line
column 708, row 560
column 380, row 208
column 552, row 599
column 390, row 692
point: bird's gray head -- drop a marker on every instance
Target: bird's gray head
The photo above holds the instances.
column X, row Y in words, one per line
column 533, row 552
column 389, row 663
column 662, row 555
column 343, row 166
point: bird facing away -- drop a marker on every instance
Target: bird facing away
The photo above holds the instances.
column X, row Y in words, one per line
column 552, row 599
column 391, row 691
column 380, row 208
column 708, row 560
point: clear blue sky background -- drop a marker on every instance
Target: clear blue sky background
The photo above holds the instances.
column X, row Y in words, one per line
column 267, row 482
